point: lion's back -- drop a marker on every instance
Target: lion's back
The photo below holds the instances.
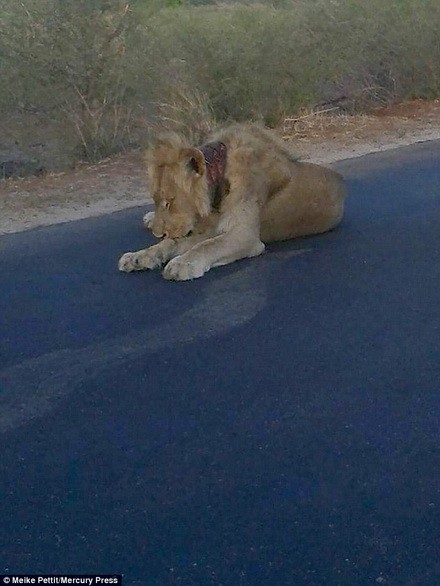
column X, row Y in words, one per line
column 255, row 137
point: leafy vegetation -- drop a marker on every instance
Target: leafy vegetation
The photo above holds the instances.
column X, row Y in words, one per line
column 112, row 69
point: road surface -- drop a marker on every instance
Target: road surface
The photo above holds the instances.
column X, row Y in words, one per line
column 274, row 423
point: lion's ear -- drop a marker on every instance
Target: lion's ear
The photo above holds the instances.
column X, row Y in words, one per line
column 196, row 160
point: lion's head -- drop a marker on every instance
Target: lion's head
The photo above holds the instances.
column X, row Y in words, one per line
column 178, row 185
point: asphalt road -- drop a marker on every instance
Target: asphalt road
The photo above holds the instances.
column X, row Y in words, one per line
column 274, row 423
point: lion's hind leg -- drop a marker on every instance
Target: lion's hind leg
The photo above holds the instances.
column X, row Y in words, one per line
column 294, row 212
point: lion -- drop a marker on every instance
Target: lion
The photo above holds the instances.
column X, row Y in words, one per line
column 223, row 201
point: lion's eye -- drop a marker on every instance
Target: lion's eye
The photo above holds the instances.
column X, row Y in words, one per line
column 166, row 204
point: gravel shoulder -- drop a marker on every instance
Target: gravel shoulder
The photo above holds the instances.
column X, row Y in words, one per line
column 119, row 183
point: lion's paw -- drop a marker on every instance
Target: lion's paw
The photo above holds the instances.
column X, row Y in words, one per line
column 184, row 269
column 138, row 261
column 128, row 262
column 148, row 220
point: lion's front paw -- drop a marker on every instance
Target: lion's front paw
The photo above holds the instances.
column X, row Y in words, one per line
column 138, row 261
column 148, row 220
column 128, row 262
column 184, row 269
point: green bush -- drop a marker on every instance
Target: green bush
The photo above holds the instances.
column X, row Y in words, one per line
column 257, row 61
column 68, row 59
column 113, row 68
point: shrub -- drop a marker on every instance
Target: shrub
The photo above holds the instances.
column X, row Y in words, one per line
column 104, row 65
column 68, row 58
column 257, row 61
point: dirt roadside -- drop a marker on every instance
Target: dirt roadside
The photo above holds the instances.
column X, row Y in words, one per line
column 118, row 183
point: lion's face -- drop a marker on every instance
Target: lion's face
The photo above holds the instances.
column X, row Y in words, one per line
column 175, row 213
column 178, row 186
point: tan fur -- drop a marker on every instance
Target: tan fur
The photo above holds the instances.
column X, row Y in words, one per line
column 271, row 196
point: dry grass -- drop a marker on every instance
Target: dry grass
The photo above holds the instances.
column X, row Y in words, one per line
column 327, row 137
column 316, row 123
column 187, row 112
